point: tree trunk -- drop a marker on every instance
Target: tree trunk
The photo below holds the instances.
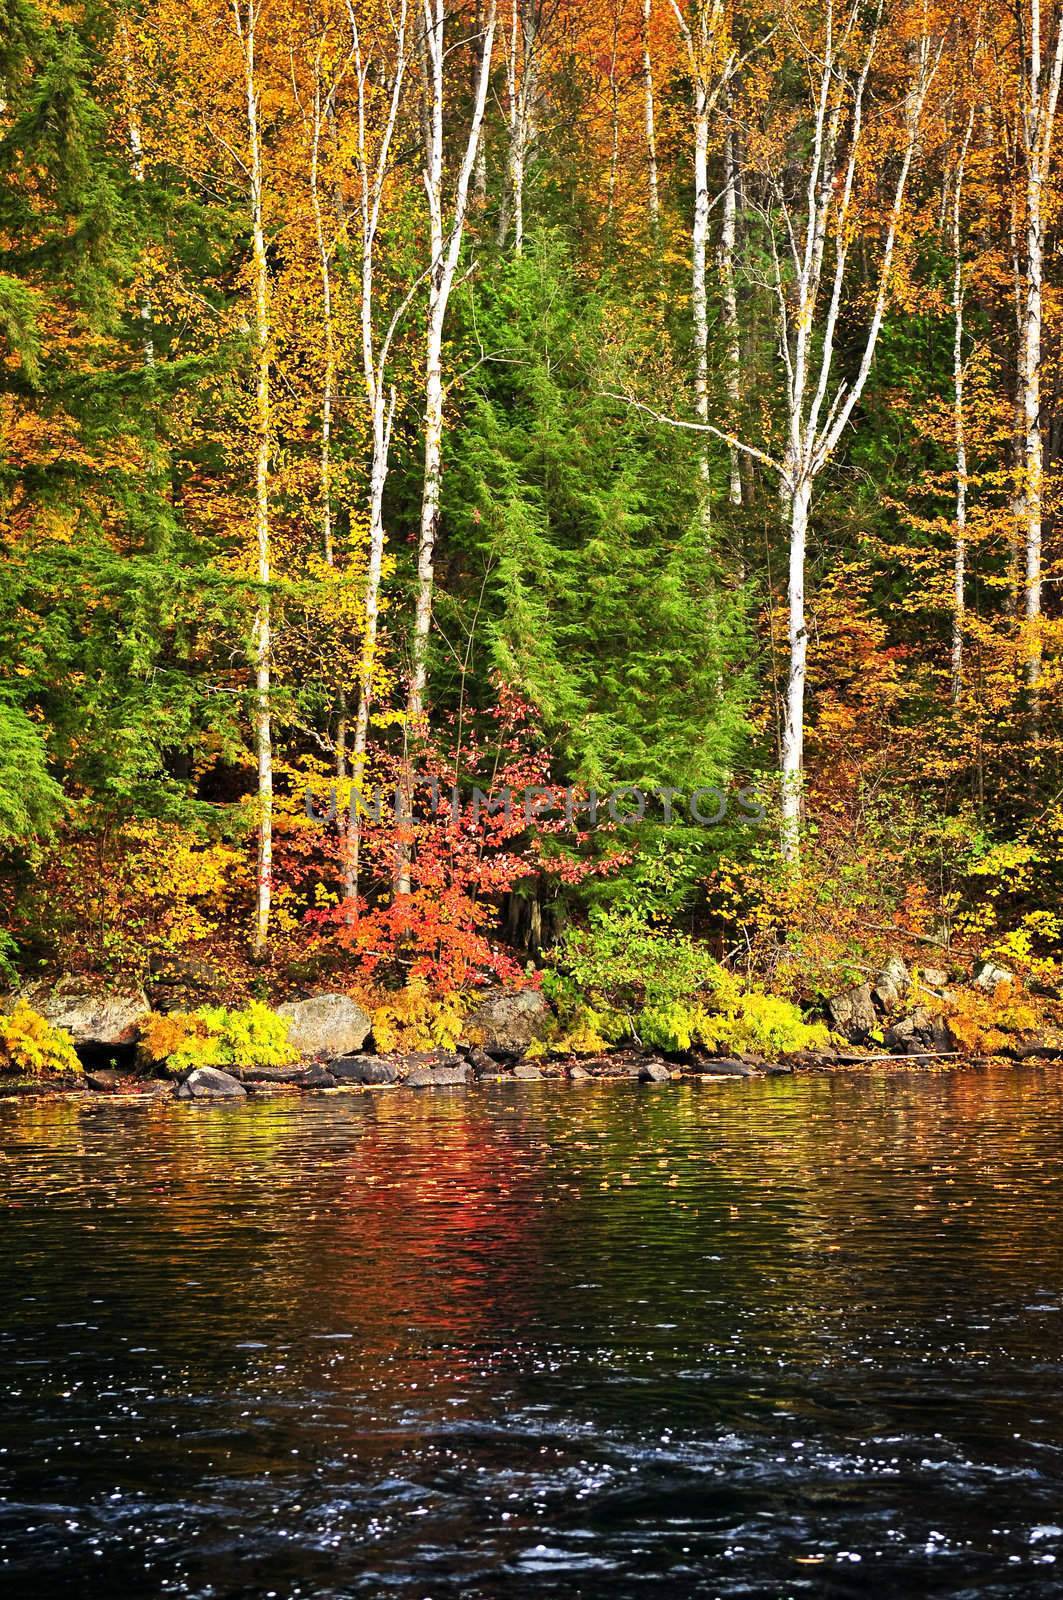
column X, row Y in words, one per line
column 959, row 555
column 651, row 133
column 793, row 736
column 730, row 309
column 698, row 287
column 261, row 636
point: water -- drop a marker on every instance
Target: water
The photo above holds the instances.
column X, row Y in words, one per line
column 768, row 1338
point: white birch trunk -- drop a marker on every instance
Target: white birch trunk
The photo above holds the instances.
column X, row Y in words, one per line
column 445, row 252
column 650, row 118
column 728, row 233
column 1038, row 121
column 959, row 550
column 376, row 347
column 261, row 635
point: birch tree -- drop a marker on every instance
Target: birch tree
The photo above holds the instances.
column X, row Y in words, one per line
column 959, row 556
column 373, row 167
column 245, row 15
column 710, row 56
column 819, row 404
column 522, row 41
column 649, row 116
column 446, row 230
column 1041, row 67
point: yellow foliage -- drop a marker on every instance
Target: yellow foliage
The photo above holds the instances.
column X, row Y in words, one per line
column 413, row 1020
column 983, row 1024
column 30, row 1044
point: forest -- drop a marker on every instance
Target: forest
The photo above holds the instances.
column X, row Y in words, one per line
column 539, row 493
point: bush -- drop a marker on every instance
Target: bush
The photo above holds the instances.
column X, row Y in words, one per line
column 413, row 1019
column 217, row 1037
column 33, row 1046
column 626, row 976
column 984, row 1024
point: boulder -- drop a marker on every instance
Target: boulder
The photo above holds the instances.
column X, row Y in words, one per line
column 891, row 984
column 579, row 1074
column 364, row 1069
column 95, row 1018
column 921, row 1030
column 853, row 1014
column 526, row 1072
column 438, row 1077
column 508, row 1020
column 934, row 977
column 326, row 1025
column 988, row 973
column 299, row 1076
column 104, row 1082
column 654, row 1072
column 728, row 1068
column 209, row 1083
column 481, row 1062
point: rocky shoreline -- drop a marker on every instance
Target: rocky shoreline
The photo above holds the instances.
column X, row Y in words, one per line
column 468, row 1067
column 506, row 1038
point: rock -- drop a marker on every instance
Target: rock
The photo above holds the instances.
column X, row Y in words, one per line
column 326, row 1025
column 579, row 1074
column 92, row 1017
column 364, row 1069
column 853, row 1013
column 104, row 1082
column 316, row 1076
column 480, row 1062
column 438, row 1077
column 987, row 974
column 299, row 1076
column 892, row 984
column 526, row 1072
column 934, row 977
column 920, row 1031
column 209, row 1083
column 726, row 1068
column 414, row 1060
column 508, row 1020
column 654, row 1072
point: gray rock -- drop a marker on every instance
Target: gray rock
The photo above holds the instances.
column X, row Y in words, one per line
column 481, row 1062
column 853, row 1014
column 508, row 1020
column 93, row 1017
column 727, row 1068
column 934, row 977
column 921, row 1030
column 364, row 1069
column 654, row 1072
column 892, row 984
column 298, row 1076
column 209, row 1083
column 104, row 1082
column 326, row 1025
column 527, row 1072
column 438, row 1077
column 579, row 1074
column 987, row 974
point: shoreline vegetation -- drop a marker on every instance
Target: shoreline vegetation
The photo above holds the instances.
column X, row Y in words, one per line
column 72, row 1037
column 529, row 500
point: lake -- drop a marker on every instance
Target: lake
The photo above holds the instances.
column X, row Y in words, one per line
column 773, row 1337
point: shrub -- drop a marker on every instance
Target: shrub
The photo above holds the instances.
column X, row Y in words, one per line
column 32, row 1045
column 412, row 1019
column 649, row 982
column 984, row 1024
column 217, row 1037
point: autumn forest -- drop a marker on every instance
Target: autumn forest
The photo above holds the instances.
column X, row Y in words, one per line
column 644, row 414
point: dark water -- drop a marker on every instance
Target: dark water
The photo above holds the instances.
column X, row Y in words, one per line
column 779, row 1338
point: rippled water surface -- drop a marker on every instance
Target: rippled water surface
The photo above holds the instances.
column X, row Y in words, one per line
column 769, row 1338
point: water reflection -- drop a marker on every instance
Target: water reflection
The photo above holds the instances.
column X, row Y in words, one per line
column 775, row 1337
